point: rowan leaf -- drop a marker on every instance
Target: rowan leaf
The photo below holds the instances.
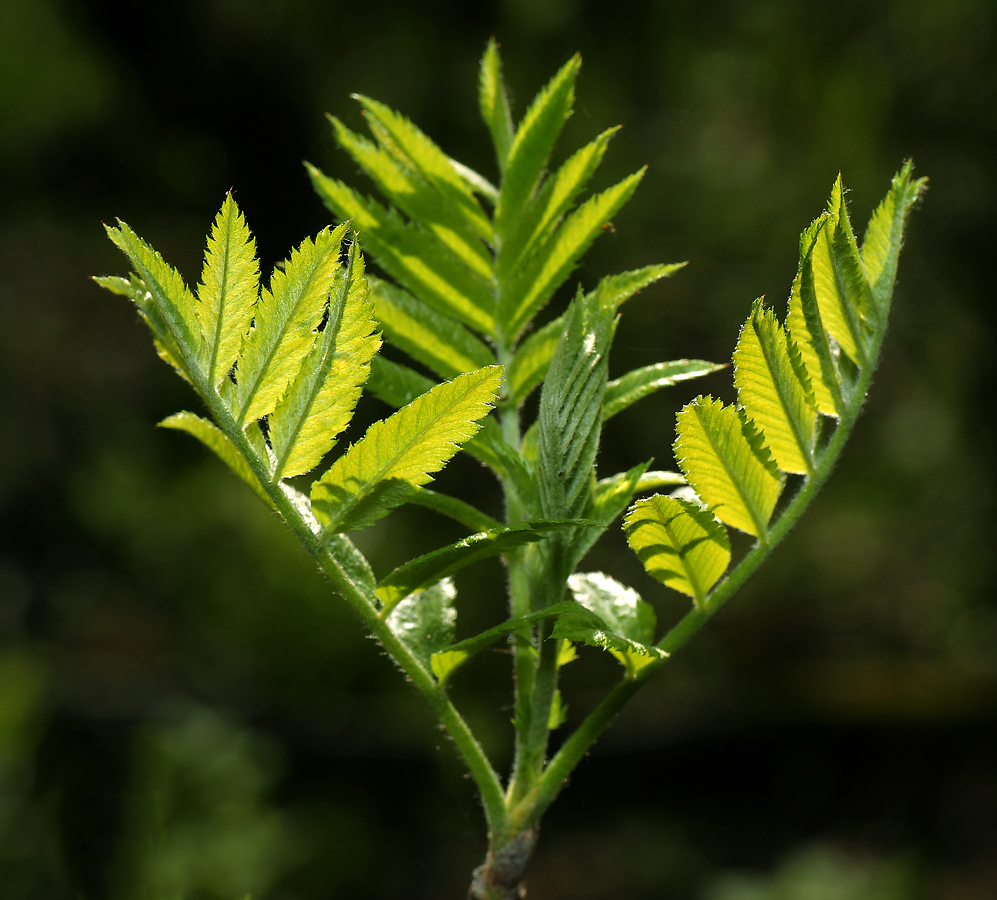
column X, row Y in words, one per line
column 532, row 360
column 319, row 403
column 229, row 289
column 639, row 383
column 724, row 461
column 396, row 384
column 612, row 616
column 286, row 322
column 613, row 290
column 401, row 452
column 435, row 340
column 774, row 388
column 679, row 542
column 468, row 515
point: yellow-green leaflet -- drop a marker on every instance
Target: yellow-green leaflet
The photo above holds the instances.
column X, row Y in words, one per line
column 230, row 285
column 170, row 308
column 319, row 403
column 774, row 389
column 730, row 474
column 287, row 317
column 397, row 453
column 680, row 543
column 209, row 435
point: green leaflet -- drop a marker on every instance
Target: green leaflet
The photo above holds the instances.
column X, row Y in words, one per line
column 727, row 470
column 614, row 290
column 395, row 384
column 494, row 103
column 635, row 385
column 346, row 556
column 774, row 389
column 551, row 265
column 553, row 200
column 287, row 316
column 417, row 198
column 842, row 294
column 533, row 143
column 425, row 570
column 680, row 543
column 883, row 235
column 612, row 616
column 807, row 330
column 439, row 342
column 170, row 308
column 400, row 452
column 445, row 662
column 230, row 285
column 532, row 360
column 319, row 403
column 425, row 621
column 570, row 415
column 393, row 129
column 411, row 256
column 209, row 435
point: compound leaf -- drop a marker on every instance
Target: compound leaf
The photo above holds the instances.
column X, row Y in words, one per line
column 679, row 542
column 774, row 388
column 729, row 471
column 532, row 360
column 229, row 288
column 401, row 452
column 396, row 384
column 613, row 290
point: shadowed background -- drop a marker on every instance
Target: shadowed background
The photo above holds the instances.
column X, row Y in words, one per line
column 185, row 711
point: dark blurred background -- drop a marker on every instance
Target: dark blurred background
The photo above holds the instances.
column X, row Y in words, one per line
column 186, row 711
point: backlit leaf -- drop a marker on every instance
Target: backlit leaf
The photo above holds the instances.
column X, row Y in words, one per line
column 628, row 389
column 731, row 474
column 494, row 103
column 680, row 543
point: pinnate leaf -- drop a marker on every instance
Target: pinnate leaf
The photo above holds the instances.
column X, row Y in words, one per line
column 401, row 452
column 679, row 542
column 494, row 103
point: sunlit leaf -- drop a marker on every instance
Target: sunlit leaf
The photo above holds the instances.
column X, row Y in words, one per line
column 680, row 543
column 494, row 103
column 732, row 474
column 425, row 621
column 774, row 388
column 628, row 389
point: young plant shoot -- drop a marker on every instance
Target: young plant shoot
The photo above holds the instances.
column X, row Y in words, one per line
column 466, row 266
